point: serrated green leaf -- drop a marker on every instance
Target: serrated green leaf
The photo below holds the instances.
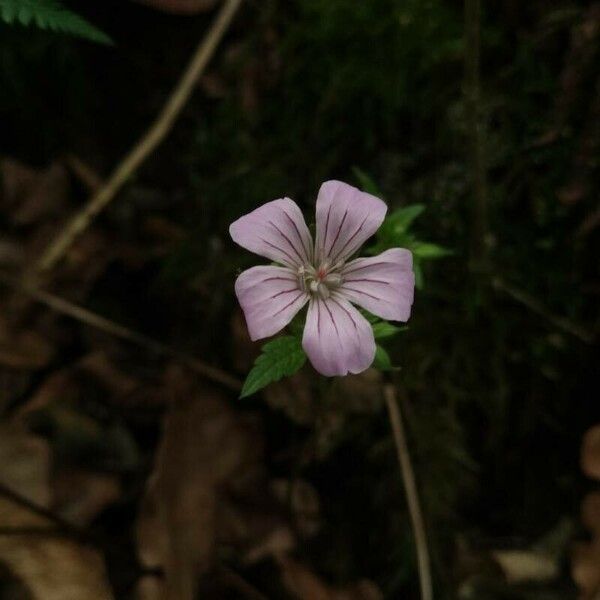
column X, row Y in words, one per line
column 366, row 182
column 383, row 329
column 280, row 357
column 382, row 360
column 427, row 251
column 52, row 15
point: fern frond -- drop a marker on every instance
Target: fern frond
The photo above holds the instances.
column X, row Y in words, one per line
column 50, row 14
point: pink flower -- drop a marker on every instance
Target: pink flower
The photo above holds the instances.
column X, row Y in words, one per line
column 337, row 338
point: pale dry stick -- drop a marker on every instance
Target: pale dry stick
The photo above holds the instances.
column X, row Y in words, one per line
column 144, row 147
column 412, row 495
column 537, row 307
column 90, row 318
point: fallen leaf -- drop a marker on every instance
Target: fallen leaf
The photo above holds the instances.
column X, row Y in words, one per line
column 204, row 445
column 31, row 195
column 590, row 512
column 590, row 452
column 521, row 566
column 303, row 584
column 52, row 568
column 23, row 349
column 585, row 568
column 303, row 502
column 80, row 495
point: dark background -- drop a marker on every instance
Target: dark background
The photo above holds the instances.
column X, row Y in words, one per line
column 497, row 395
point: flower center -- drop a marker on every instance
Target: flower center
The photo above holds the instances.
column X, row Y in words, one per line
column 320, row 281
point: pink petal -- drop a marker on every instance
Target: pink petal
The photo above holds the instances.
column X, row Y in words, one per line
column 275, row 230
column 346, row 218
column 383, row 284
column 337, row 339
column 270, row 298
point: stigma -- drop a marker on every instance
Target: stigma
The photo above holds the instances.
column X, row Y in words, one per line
column 321, row 281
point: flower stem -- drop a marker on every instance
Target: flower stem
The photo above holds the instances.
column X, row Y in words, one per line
column 410, row 487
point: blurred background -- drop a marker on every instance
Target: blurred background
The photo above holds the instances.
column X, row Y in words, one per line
column 129, row 468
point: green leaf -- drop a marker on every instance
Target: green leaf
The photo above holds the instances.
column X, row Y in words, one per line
column 280, row 357
column 52, row 15
column 401, row 219
column 427, row 251
column 418, row 271
column 366, row 182
column 369, row 316
column 382, row 361
column 383, row 329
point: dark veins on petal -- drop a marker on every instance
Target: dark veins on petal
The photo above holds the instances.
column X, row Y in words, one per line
column 298, row 233
column 287, row 239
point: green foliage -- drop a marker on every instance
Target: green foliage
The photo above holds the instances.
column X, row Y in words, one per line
column 51, row 15
column 383, row 330
column 395, row 230
column 280, row 357
column 394, row 233
column 382, row 360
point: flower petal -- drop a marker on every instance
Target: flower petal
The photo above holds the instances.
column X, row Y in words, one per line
column 270, row 298
column 382, row 284
column 346, row 218
column 337, row 338
column 275, row 230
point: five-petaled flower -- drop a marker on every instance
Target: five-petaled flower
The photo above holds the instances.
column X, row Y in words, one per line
column 337, row 338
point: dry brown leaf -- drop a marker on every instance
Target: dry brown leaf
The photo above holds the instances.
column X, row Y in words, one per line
column 293, row 395
column 590, row 512
column 585, row 568
column 79, row 496
column 31, row 195
column 115, row 381
column 24, row 349
column 304, row 504
column 590, row 452
column 204, row 445
column 303, row 584
column 52, row 568
column 522, row 566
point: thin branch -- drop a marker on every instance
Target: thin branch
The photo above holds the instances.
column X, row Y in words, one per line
column 145, row 146
column 32, row 531
column 412, row 495
column 472, row 92
column 83, row 315
column 62, row 525
column 537, row 307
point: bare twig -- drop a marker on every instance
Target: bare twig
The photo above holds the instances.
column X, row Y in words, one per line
column 537, row 307
column 83, row 315
column 145, row 146
column 410, row 487
column 61, row 524
column 84, row 172
column 32, row 531
column 472, row 91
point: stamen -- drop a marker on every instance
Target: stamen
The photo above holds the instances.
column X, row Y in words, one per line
column 323, row 291
column 333, row 280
